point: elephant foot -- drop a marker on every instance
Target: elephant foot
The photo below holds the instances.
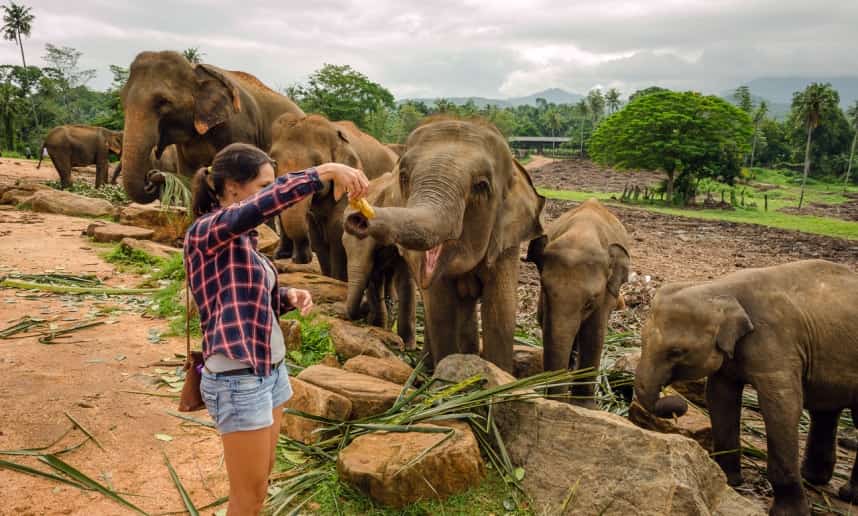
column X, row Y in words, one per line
column 302, row 257
column 734, row 479
column 849, row 493
column 790, row 501
column 817, row 474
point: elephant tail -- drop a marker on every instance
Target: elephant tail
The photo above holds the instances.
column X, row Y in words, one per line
column 41, row 155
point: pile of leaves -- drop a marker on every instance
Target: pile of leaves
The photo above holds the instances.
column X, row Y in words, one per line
column 113, row 193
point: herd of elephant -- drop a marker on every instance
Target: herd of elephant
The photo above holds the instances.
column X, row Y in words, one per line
column 452, row 210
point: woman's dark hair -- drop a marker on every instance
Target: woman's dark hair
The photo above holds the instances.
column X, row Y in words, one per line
column 239, row 162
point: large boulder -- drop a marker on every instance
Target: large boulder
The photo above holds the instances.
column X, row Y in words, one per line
column 390, row 369
column 323, row 288
column 397, row 469
column 315, row 401
column 368, row 395
column 109, row 232
column 168, row 223
column 526, row 360
column 599, row 463
column 15, row 196
column 149, row 247
column 67, row 203
column 694, row 423
column 268, row 241
column 287, row 266
column 351, row 340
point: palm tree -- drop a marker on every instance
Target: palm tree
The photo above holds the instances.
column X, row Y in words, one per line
column 596, row 103
column 809, row 107
column 612, row 98
column 853, row 119
column 583, row 111
column 759, row 116
column 17, row 22
column 193, row 55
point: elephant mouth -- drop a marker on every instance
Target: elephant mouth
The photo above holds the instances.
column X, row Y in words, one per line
column 432, row 262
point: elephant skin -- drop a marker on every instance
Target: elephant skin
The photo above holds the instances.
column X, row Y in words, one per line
column 790, row 331
column 467, row 207
column 583, row 260
column 200, row 108
column 301, row 142
column 78, row 146
column 375, row 270
column 167, row 163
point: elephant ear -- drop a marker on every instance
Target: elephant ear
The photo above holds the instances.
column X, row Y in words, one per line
column 536, row 251
column 342, row 136
column 619, row 268
column 114, row 142
column 520, row 216
column 735, row 324
column 216, row 99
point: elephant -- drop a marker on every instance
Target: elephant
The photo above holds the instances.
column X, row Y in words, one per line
column 582, row 259
column 300, row 142
column 167, row 163
column 398, row 148
column 81, row 145
column 200, row 109
column 467, row 206
column 376, row 270
column 791, row 332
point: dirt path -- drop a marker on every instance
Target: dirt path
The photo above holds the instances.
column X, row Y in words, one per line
column 86, row 378
column 538, row 161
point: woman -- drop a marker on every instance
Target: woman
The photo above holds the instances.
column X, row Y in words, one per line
column 244, row 382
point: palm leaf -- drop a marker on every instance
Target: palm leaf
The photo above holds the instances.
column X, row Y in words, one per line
column 186, row 498
column 79, row 477
column 20, row 468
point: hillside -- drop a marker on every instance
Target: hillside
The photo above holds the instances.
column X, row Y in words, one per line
column 552, row 95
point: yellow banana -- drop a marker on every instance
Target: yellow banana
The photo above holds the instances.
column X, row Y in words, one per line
column 362, row 206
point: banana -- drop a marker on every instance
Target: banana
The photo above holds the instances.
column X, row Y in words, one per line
column 362, row 206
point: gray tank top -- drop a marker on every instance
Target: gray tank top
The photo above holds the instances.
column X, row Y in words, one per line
column 219, row 362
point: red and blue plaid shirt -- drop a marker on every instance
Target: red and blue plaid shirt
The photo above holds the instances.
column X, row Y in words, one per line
column 227, row 278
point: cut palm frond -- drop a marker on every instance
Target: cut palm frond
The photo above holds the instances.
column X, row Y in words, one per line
column 20, row 468
column 176, row 192
column 84, row 430
column 58, row 289
column 82, row 479
column 186, row 498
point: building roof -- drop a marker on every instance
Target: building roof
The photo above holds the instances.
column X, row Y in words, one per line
column 539, row 139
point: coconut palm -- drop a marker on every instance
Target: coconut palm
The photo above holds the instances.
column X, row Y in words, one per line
column 18, row 22
column 193, row 55
column 583, row 109
column 612, row 99
column 853, row 120
column 596, row 103
column 809, row 107
column 759, row 116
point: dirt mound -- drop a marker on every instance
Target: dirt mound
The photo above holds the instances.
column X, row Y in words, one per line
column 585, row 176
column 846, row 211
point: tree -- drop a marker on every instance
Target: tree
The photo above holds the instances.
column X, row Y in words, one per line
column 646, row 91
column 596, row 104
column 583, row 110
column 443, row 105
column 853, row 121
column 759, row 116
column 742, row 95
column 809, row 106
column 194, row 55
column 684, row 134
column 612, row 99
column 341, row 93
column 65, row 72
column 17, row 22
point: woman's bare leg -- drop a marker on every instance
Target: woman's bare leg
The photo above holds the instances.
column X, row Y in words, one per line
column 248, row 471
column 277, row 415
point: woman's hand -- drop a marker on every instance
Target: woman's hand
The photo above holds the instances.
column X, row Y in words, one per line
column 345, row 178
column 300, row 299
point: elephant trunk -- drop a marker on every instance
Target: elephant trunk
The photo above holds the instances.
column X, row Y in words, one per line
column 140, row 136
column 359, row 270
column 649, row 379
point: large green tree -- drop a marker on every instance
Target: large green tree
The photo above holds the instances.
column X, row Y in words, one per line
column 809, row 107
column 743, row 99
column 596, row 103
column 612, row 100
column 67, row 74
column 341, row 93
column 18, row 22
column 683, row 134
column 852, row 114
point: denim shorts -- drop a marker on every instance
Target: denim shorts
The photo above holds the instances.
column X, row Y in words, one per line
column 244, row 402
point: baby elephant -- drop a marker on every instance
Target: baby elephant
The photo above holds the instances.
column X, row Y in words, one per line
column 582, row 259
column 791, row 331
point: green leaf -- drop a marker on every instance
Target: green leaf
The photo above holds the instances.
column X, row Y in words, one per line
column 186, row 498
column 519, row 474
column 68, row 470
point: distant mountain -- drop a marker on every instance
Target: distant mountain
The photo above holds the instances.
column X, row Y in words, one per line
column 552, row 96
column 777, row 91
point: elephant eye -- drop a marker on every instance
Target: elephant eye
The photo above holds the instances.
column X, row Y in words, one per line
column 161, row 102
column 403, row 181
column 481, row 187
column 675, row 353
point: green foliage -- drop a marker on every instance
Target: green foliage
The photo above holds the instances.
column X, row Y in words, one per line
column 684, row 134
column 646, row 91
column 316, row 341
column 113, row 193
column 831, row 138
column 742, row 96
column 194, row 55
column 131, row 260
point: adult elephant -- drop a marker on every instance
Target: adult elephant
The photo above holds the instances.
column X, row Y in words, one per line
column 78, row 146
column 300, row 142
column 167, row 163
column 468, row 205
column 199, row 108
column 583, row 260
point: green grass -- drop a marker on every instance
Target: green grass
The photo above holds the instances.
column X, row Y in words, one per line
column 113, row 193
column 785, row 195
column 315, row 340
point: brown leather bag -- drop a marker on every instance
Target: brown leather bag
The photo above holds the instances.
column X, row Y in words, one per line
column 191, row 399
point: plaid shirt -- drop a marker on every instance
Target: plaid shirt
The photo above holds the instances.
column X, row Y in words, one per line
column 227, row 278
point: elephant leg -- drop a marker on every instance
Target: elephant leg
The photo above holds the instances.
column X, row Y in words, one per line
column 377, row 313
column 338, row 260
column 724, row 399
column 63, row 166
column 116, row 172
column 499, row 304
column 849, row 491
column 781, row 403
column 285, row 249
column 320, row 246
column 406, row 292
column 442, row 319
column 820, row 455
column 589, row 342
column 469, row 331
column 293, row 227
column 101, row 171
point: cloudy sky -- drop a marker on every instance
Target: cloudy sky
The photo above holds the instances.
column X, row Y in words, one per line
column 492, row 48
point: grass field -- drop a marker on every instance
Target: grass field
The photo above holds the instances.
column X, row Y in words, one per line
column 782, row 189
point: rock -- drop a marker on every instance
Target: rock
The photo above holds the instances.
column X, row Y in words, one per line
column 376, row 464
column 390, row 369
column 627, row 363
column 287, row 266
column 323, row 289
column 149, row 247
column 331, row 361
column 67, row 203
column 613, row 466
column 369, row 395
column 313, row 400
column 110, row 232
column 692, row 390
column 268, row 241
column 291, row 334
column 29, row 186
column 351, row 340
column 15, row 196
column 694, row 424
column 526, row 361
column 169, row 224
